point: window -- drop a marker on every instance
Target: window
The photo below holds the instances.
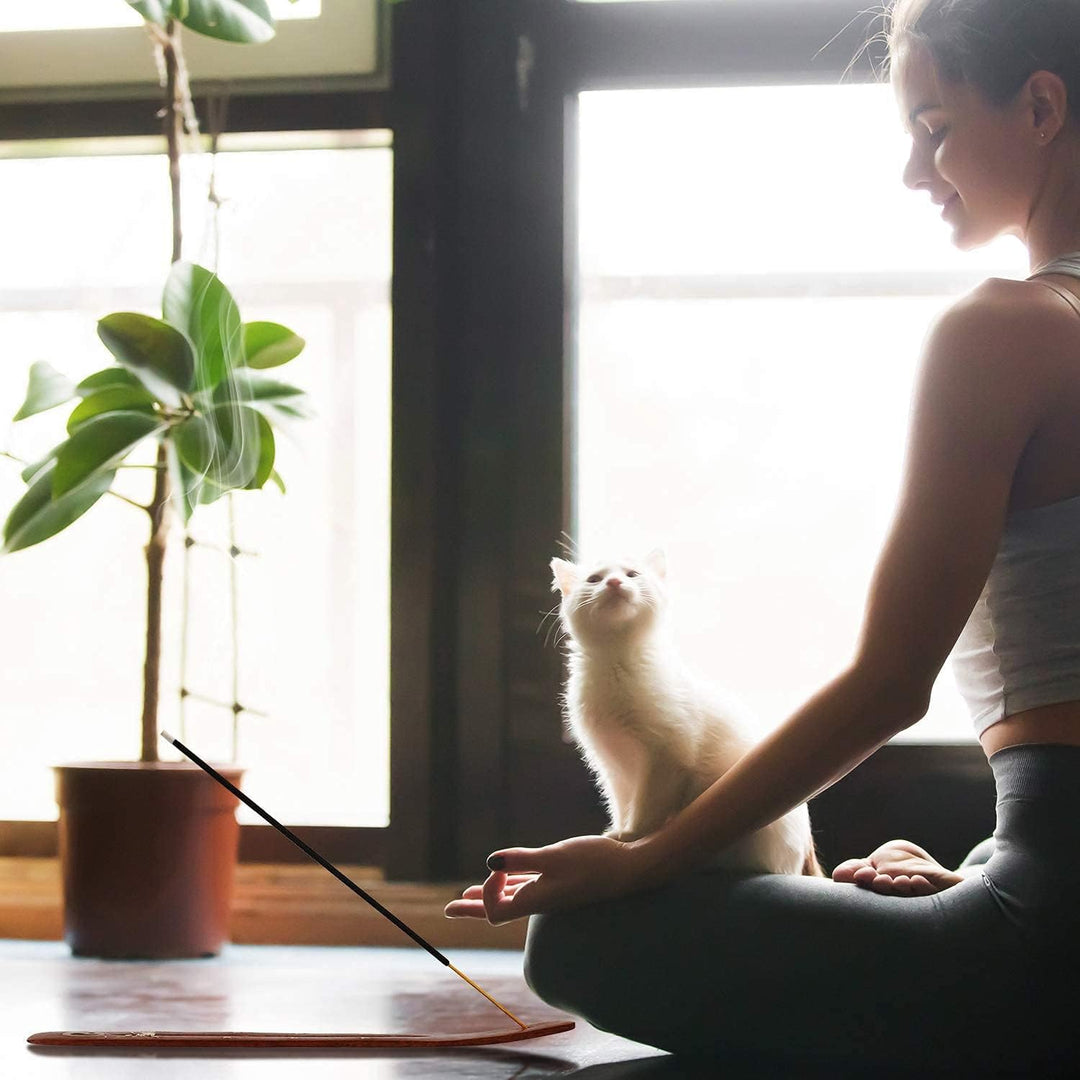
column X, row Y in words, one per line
column 83, row 47
column 502, row 354
column 311, row 248
column 98, row 14
column 755, row 286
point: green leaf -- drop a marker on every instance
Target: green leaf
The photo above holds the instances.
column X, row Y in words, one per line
column 279, row 402
column 231, row 446
column 194, row 440
column 31, row 471
column 238, row 435
column 155, row 11
column 197, row 303
column 111, row 399
column 245, row 22
column 47, row 389
column 37, row 515
column 275, row 476
column 107, row 377
column 268, row 344
column 155, row 352
column 210, row 493
column 248, row 387
column 267, row 450
column 99, row 446
column 185, row 485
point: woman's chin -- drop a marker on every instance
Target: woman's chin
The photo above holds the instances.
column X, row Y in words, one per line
column 966, row 238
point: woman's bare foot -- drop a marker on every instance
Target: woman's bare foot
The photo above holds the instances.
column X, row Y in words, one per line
column 898, row 868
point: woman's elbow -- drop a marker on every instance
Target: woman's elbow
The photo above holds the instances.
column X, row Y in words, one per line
column 896, row 697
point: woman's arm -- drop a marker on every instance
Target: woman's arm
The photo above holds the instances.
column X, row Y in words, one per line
column 975, row 408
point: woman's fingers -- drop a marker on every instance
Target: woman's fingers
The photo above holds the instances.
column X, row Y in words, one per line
column 465, row 909
column 513, row 883
column 471, row 904
column 501, row 904
column 921, row 886
column 845, row 871
column 493, row 893
column 519, row 861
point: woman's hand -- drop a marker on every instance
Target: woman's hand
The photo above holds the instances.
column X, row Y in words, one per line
column 898, row 868
column 570, row 873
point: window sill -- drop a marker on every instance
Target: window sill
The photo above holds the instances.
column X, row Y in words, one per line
column 278, row 904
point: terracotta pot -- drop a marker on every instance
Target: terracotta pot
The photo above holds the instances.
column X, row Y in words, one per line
column 148, row 852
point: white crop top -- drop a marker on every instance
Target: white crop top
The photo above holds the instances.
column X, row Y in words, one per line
column 1020, row 648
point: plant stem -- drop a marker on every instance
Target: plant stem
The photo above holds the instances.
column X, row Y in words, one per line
column 159, row 505
column 155, row 568
column 173, row 124
column 130, row 502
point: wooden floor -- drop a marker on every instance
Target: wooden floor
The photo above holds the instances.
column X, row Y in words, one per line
column 275, row 988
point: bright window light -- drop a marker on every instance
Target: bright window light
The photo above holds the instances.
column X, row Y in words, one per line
column 304, row 239
column 100, row 14
column 756, row 283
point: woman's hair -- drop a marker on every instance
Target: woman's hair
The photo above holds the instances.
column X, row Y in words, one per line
column 992, row 45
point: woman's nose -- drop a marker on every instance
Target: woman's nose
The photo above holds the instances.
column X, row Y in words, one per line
column 918, row 171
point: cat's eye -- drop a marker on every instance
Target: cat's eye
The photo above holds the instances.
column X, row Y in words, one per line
column 631, row 573
column 595, row 579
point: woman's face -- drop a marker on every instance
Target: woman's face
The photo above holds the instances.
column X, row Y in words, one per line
column 971, row 157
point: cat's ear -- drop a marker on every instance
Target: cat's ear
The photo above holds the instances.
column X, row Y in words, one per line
column 564, row 576
column 656, row 561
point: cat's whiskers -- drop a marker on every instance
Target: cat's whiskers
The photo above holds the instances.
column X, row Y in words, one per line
column 569, row 546
column 555, row 627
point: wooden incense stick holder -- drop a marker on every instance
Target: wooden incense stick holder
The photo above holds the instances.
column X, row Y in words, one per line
column 271, row 1040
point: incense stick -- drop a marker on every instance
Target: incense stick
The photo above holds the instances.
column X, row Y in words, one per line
column 327, row 865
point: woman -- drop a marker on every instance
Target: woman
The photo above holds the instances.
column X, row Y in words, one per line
column 898, row 960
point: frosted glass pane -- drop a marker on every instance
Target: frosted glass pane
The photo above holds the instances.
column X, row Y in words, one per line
column 92, row 43
column 93, row 14
column 305, row 240
column 743, row 392
column 757, row 180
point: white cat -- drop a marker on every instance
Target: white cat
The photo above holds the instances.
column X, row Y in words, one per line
column 653, row 735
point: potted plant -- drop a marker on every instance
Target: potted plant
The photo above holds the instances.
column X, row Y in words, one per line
column 148, row 847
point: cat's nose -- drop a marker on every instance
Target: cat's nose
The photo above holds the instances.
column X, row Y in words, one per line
column 614, row 583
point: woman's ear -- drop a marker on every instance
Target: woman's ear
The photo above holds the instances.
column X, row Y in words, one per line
column 1048, row 100
column 564, row 576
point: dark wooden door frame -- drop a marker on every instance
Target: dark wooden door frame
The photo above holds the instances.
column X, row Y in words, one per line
column 485, row 119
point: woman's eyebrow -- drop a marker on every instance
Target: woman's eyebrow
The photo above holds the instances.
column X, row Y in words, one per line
column 914, row 114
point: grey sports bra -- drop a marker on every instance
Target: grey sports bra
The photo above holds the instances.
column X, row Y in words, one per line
column 1020, row 648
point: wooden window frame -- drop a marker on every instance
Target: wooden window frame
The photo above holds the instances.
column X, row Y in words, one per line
column 491, row 356
column 482, row 106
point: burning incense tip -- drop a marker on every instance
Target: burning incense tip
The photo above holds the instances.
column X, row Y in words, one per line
column 168, row 738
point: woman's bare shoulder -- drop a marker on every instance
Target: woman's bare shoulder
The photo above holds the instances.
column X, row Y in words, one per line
column 1006, row 325
column 1010, row 304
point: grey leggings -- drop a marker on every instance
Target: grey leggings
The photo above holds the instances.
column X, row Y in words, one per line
column 779, row 972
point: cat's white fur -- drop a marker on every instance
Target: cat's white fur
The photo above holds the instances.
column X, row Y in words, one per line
column 655, row 736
